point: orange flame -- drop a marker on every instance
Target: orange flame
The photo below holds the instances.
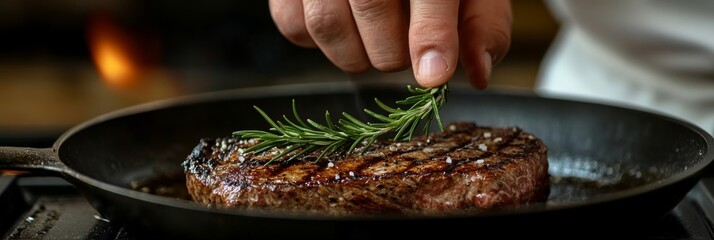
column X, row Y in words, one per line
column 112, row 52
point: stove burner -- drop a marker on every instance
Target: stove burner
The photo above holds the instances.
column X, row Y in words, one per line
column 50, row 208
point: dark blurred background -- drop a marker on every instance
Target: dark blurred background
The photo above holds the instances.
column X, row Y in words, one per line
column 63, row 62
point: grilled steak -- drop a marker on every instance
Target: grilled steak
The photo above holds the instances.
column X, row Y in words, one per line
column 464, row 168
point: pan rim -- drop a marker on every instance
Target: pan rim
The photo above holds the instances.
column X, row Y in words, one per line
column 342, row 87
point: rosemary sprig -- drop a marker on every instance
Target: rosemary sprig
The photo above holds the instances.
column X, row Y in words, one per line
column 305, row 137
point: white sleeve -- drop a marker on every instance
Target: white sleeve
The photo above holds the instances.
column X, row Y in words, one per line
column 655, row 54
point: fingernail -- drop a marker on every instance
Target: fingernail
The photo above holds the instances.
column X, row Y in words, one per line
column 487, row 65
column 431, row 67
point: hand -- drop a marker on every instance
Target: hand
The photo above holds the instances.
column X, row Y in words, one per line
column 358, row 34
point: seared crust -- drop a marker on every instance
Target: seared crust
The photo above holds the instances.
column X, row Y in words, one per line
column 465, row 168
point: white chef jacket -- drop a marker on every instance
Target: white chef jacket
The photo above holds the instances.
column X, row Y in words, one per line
column 656, row 55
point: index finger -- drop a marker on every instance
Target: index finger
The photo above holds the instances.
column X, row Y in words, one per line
column 382, row 27
column 485, row 31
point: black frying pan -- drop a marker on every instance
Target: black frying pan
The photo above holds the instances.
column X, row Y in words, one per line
column 611, row 166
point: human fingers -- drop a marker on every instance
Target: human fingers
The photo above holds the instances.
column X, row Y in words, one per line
column 485, row 37
column 433, row 40
column 289, row 18
column 331, row 26
column 382, row 28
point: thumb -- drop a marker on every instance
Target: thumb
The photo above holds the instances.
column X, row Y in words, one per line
column 433, row 40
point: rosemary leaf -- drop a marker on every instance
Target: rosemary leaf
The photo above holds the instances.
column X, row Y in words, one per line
column 347, row 133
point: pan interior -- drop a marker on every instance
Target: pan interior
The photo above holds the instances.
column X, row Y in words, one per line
column 594, row 150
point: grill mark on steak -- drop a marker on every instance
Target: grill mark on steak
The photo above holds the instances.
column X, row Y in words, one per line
column 484, row 154
column 322, row 165
column 390, row 177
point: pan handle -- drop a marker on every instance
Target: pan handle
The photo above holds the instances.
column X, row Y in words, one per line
column 30, row 159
